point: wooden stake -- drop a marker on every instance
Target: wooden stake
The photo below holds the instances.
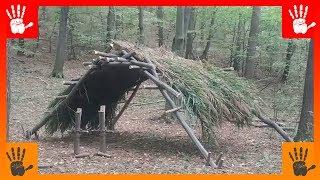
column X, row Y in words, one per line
column 102, row 123
column 76, row 140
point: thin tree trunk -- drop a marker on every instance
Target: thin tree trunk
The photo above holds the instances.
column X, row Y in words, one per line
column 141, row 25
column 61, row 47
column 191, row 34
column 290, row 50
column 305, row 128
column 252, row 53
column 237, row 56
column 20, row 51
column 110, row 25
column 210, row 36
column 160, row 16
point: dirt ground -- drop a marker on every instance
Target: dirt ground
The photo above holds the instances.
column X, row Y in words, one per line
column 142, row 143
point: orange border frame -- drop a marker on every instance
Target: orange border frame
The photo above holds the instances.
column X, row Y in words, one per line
column 3, row 83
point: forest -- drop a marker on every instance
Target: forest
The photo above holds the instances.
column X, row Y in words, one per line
column 239, row 48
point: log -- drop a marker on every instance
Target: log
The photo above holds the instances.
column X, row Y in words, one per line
column 104, row 54
column 149, row 87
column 162, row 84
column 172, row 110
column 273, row 125
column 87, row 63
column 228, row 69
column 69, row 83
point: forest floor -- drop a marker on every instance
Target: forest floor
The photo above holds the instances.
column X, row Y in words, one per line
column 143, row 142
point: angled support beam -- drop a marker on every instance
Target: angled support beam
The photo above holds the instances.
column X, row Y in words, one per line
column 45, row 119
column 125, row 106
column 187, row 128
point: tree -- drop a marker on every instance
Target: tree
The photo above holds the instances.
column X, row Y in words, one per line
column 305, row 128
column 210, row 36
column 61, row 46
column 160, row 16
column 191, row 34
column 182, row 21
column 111, row 25
column 236, row 56
column 290, row 50
column 21, row 49
column 141, row 26
column 252, row 52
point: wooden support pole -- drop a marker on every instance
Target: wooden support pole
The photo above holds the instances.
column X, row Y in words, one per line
column 273, row 125
column 189, row 131
column 76, row 140
column 104, row 54
column 70, row 83
column 46, row 118
column 162, row 84
column 172, row 110
column 102, row 123
column 125, row 106
column 61, row 97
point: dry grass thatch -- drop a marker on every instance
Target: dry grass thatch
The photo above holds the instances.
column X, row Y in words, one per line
column 209, row 93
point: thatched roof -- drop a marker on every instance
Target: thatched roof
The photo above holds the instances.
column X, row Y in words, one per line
column 209, row 93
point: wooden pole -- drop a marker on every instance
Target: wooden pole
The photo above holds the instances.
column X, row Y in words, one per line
column 102, row 123
column 189, row 131
column 76, row 140
column 46, row 118
column 125, row 106
column 273, row 125
column 162, row 84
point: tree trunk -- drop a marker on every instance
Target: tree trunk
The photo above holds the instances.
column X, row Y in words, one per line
column 208, row 44
column 20, row 51
column 111, row 23
column 178, row 45
column 141, row 26
column 305, row 128
column 290, row 50
column 160, row 26
column 61, row 46
column 237, row 55
column 252, row 53
column 191, row 34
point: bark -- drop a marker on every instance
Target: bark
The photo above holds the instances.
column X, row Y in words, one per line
column 179, row 41
column 191, row 34
column 141, row 25
column 290, row 50
column 160, row 16
column 252, row 52
column 61, row 47
column 210, row 36
column 20, row 51
column 111, row 25
column 237, row 56
column 305, row 128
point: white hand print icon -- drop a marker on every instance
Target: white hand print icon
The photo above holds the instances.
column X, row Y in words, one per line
column 16, row 20
column 299, row 20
